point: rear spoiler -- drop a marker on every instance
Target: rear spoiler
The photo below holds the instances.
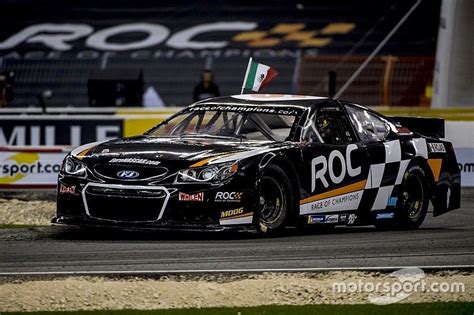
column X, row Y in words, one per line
column 430, row 127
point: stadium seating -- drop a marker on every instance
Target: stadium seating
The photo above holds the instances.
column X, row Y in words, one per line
column 174, row 78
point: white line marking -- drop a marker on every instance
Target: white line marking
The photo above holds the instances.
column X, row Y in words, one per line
column 256, row 270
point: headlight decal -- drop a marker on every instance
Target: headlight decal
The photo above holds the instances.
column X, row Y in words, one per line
column 215, row 173
column 74, row 167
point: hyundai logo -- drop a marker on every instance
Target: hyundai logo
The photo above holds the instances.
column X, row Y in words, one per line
column 128, row 174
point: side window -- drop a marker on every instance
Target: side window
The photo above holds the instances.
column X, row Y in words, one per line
column 370, row 127
column 328, row 125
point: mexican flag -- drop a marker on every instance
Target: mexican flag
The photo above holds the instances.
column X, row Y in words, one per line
column 257, row 76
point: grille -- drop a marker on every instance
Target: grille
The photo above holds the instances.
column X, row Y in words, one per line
column 121, row 203
column 145, row 172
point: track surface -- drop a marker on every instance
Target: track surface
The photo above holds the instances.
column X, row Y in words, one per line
column 443, row 241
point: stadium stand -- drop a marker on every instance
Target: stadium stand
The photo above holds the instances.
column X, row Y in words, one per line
column 323, row 33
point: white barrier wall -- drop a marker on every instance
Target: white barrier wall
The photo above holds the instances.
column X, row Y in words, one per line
column 465, row 157
column 454, row 68
column 461, row 134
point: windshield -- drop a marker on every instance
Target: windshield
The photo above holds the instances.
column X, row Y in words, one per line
column 252, row 126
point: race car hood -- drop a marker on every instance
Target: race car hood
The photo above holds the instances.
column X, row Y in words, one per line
column 190, row 150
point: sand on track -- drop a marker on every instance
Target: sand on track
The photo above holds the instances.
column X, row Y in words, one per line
column 89, row 293
column 30, row 212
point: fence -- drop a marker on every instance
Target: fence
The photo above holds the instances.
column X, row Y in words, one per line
column 387, row 80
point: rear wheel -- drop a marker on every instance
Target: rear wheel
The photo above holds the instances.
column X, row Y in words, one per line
column 275, row 200
column 413, row 201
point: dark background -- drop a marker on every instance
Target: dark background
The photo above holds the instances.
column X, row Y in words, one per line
column 174, row 76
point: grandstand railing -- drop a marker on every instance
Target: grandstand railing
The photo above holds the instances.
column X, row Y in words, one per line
column 387, row 80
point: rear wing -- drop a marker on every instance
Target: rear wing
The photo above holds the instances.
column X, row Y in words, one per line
column 430, row 127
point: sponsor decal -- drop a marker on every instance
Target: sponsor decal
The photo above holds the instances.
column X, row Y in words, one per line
column 199, row 197
column 66, row 189
column 385, row 215
column 232, row 213
column 344, row 198
column 224, row 196
column 347, row 218
column 392, row 201
column 134, row 161
column 236, row 216
column 437, row 147
column 328, row 219
column 312, row 219
column 321, row 165
column 332, row 218
column 246, row 109
column 128, row 174
column 352, row 218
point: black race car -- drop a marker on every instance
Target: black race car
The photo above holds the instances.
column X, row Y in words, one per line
column 261, row 162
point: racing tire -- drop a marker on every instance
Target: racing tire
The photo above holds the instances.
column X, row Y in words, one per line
column 275, row 200
column 412, row 203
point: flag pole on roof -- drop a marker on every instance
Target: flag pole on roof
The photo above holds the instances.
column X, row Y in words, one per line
column 257, row 76
column 246, row 75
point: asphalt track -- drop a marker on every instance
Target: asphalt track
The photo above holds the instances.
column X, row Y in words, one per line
column 445, row 241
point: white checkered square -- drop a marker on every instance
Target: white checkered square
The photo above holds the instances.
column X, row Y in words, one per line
column 382, row 197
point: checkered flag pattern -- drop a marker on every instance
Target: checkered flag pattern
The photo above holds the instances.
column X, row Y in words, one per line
column 387, row 171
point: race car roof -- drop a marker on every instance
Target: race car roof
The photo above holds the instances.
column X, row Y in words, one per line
column 265, row 100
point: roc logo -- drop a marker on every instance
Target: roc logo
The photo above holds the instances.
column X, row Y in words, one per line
column 62, row 36
column 225, row 196
column 231, row 213
column 293, row 32
column 322, row 165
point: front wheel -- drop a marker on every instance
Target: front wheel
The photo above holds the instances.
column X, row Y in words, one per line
column 275, row 200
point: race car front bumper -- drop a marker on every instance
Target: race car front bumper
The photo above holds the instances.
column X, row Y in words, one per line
column 157, row 207
column 144, row 226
